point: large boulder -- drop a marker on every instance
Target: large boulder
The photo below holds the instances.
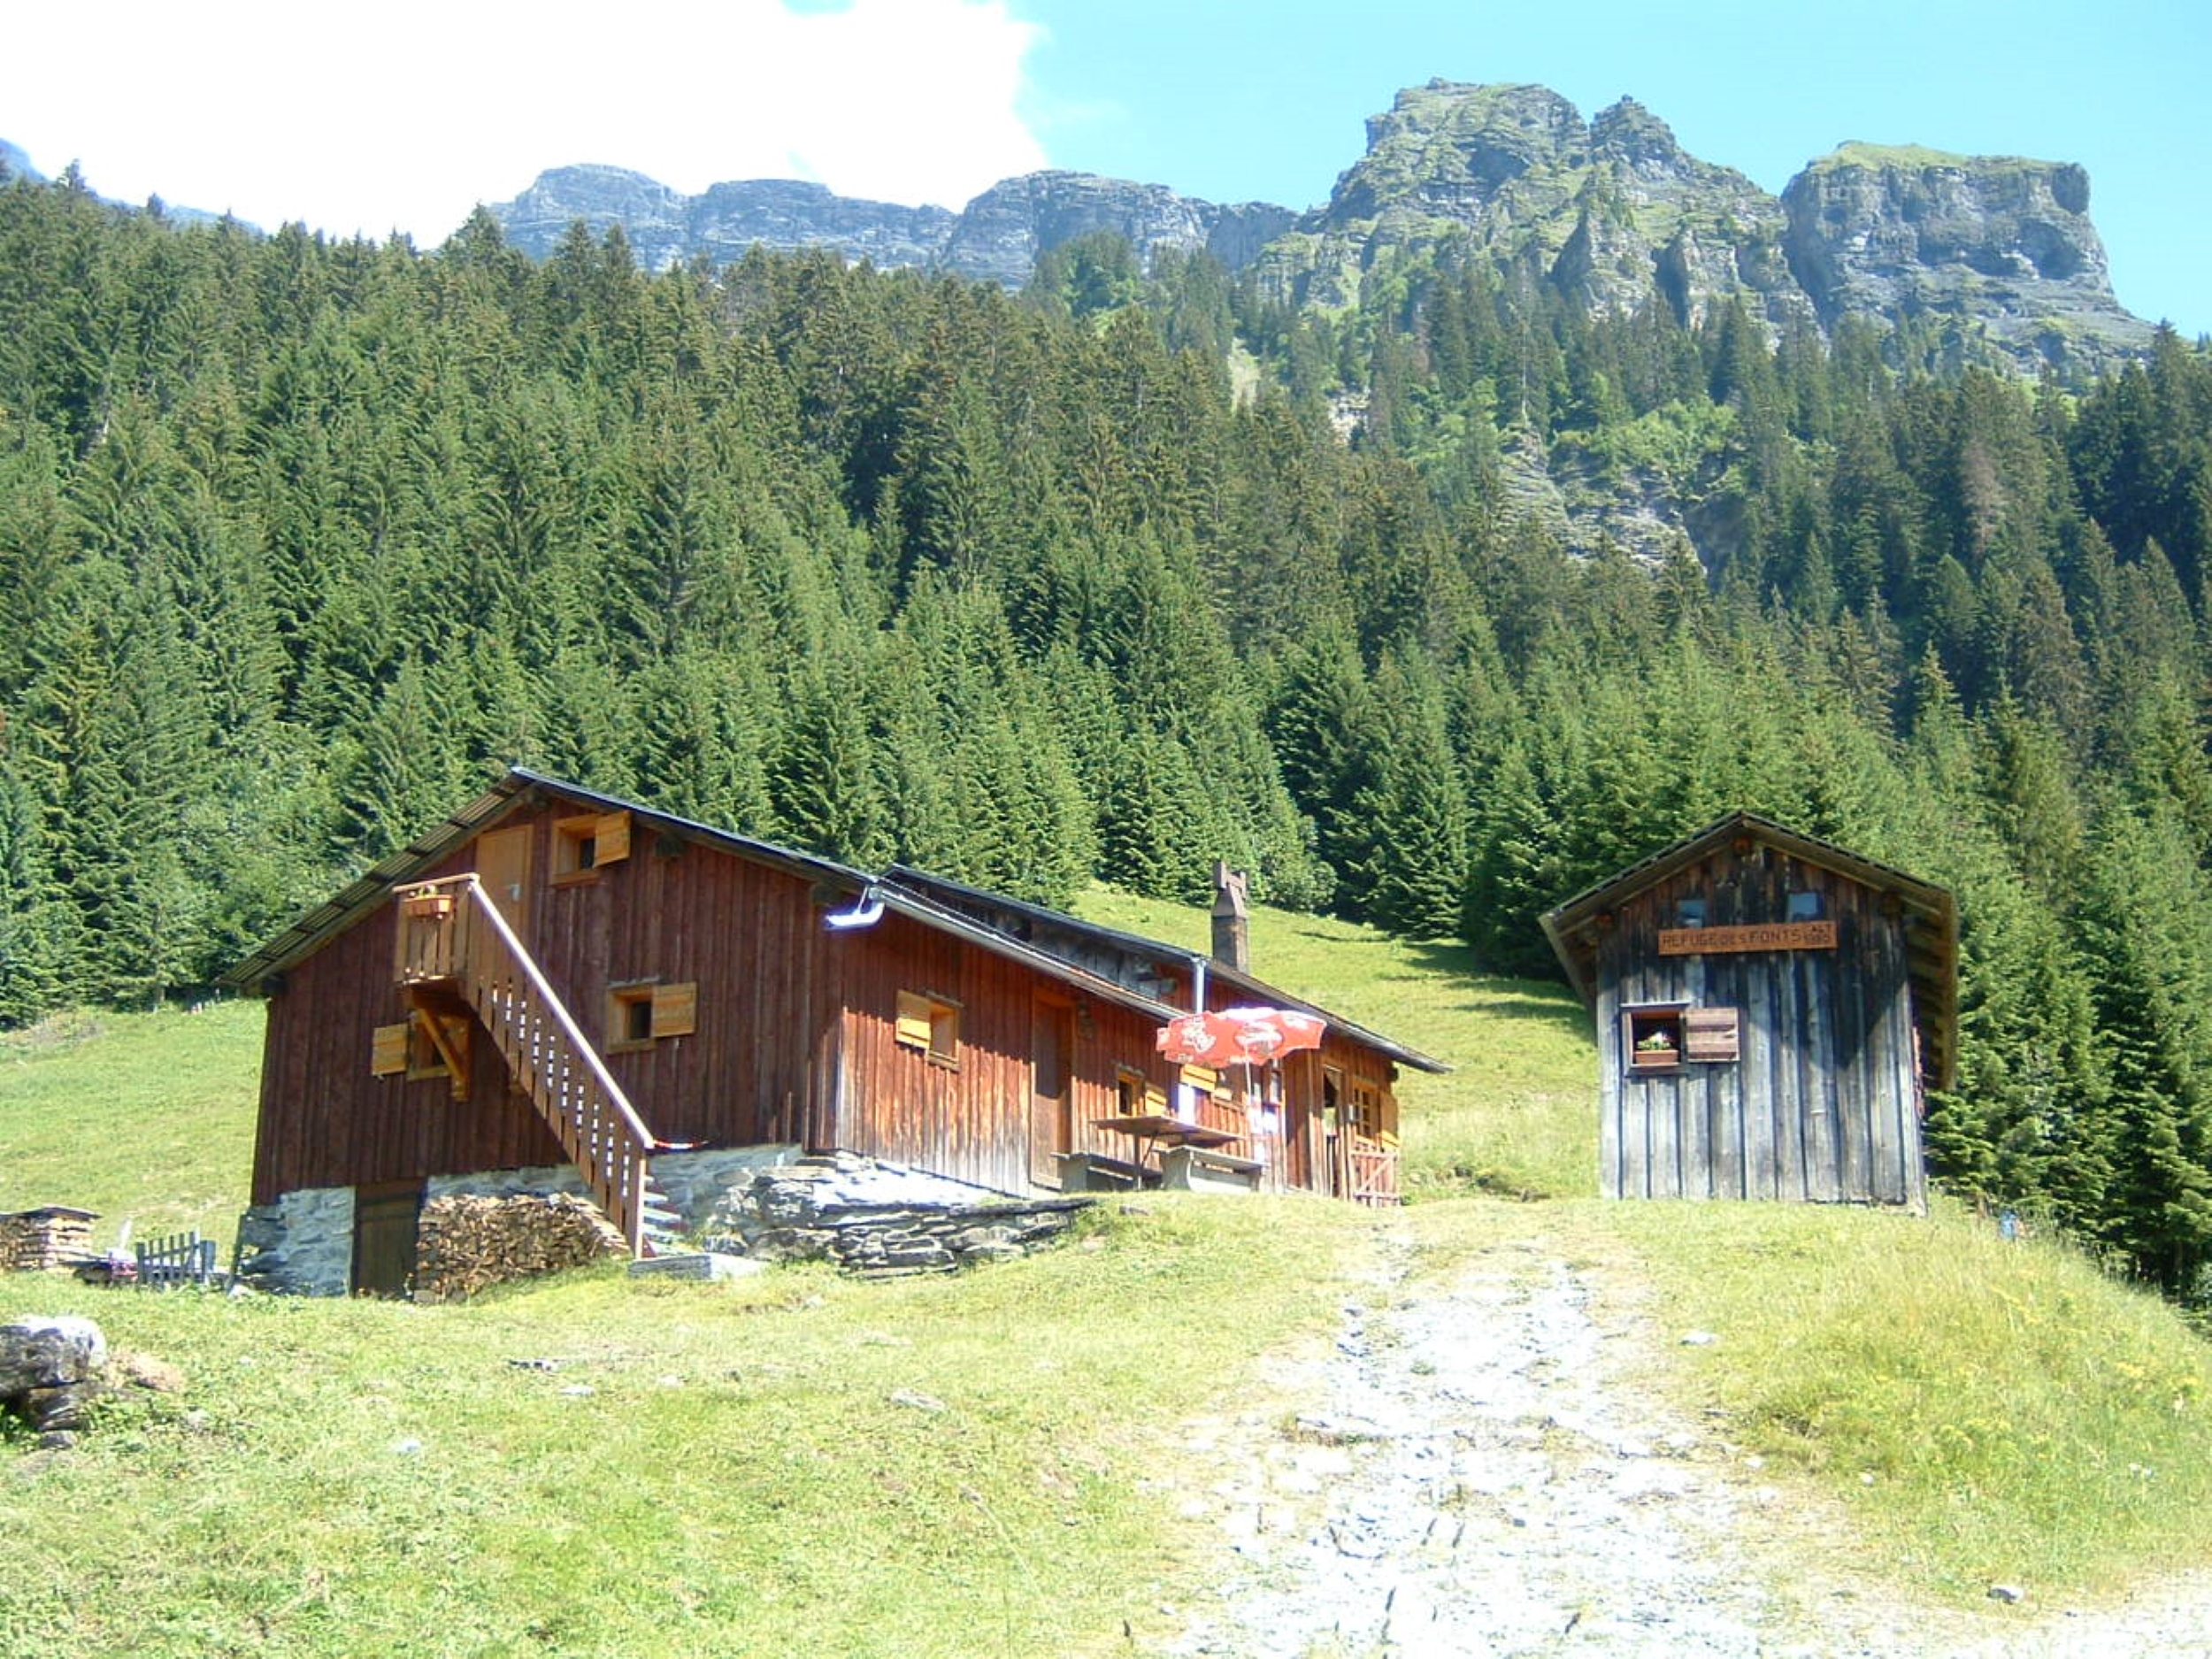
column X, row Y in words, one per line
column 51, row 1371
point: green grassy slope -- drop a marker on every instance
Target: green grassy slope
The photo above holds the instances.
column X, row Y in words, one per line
column 938, row 1466
column 143, row 1117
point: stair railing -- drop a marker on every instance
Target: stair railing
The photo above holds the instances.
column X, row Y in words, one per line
column 450, row 929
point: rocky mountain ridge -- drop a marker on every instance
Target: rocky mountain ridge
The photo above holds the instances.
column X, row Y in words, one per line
column 997, row 238
column 1999, row 251
column 1614, row 210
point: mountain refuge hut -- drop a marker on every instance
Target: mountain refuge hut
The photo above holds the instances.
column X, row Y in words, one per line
column 559, row 990
column 1768, row 1008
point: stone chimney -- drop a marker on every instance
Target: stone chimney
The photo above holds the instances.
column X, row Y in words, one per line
column 1232, row 947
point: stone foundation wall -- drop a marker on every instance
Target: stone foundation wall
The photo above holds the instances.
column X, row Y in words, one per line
column 881, row 1218
column 766, row 1201
column 302, row 1243
column 696, row 1182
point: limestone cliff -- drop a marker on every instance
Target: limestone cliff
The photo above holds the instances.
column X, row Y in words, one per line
column 2001, row 241
column 1995, row 255
column 1997, row 250
column 998, row 238
column 667, row 227
column 1613, row 210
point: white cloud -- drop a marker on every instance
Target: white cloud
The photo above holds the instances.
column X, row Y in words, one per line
column 403, row 115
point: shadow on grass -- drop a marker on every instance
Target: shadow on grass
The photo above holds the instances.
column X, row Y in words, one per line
column 1507, row 998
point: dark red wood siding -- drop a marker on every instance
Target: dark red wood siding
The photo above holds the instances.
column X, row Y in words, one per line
column 793, row 1041
column 676, row 910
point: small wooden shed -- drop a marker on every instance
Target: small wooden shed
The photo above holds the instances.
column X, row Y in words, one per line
column 1770, row 1008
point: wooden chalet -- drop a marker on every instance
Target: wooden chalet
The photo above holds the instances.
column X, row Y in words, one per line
column 1768, row 1008
column 556, row 977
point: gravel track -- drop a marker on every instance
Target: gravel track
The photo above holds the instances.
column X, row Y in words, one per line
column 1469, row 1471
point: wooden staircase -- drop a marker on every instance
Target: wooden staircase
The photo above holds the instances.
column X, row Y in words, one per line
column 456, row 952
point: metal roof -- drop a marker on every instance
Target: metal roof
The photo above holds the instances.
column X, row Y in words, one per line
column 372, row 887
column 905, row 877
column 907, row 891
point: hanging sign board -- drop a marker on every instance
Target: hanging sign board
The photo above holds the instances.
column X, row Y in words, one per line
column 1711, row 1033
column 1706, row 941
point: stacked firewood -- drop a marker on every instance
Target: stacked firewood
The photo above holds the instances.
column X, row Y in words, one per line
column 39, row 1239
column 467, row 1242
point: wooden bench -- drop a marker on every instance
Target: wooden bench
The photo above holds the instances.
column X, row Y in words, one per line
column 1208, row 1169
column 1096, row 1172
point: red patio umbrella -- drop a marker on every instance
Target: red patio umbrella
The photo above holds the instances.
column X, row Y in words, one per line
column 1239, row 1036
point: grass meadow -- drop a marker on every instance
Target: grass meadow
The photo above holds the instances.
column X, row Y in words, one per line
column 594, row 1465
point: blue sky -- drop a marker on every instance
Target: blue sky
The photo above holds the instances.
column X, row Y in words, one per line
column 277, row 112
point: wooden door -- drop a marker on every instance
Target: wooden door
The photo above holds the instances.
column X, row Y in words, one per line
column 1051, row 1041
column 385, row 1218
column 1336, row 1147
column 503, row 864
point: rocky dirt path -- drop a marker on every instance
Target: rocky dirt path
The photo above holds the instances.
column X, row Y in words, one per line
column 1470, row 1471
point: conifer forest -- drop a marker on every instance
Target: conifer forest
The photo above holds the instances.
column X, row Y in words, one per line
column 303, row 541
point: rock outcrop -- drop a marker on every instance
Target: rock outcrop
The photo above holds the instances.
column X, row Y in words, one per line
column 998, row 238
column 51, row 1370
column 1003, row 232
column 667, row 227
column 1998, row 242
column 1996, row 254
column 1611, row 209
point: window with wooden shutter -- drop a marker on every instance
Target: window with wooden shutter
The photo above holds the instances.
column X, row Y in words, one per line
column 1651, row 1037
column 584, row 846
column 675, row 1010
column 642, row 1013
column 1712, row 1034
column 1194, row 1084
column 929, row 1025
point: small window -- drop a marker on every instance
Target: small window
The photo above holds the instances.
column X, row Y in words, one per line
column 930, row 1025
column 640, row 1015
column 584, row 846
column 1803, row 907
column 424, row 1045
column 1130, row 1090
column 1652, row 1038
column 1689, row 913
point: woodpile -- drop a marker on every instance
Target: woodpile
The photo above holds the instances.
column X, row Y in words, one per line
column 466, row 1242
column 56, row 1236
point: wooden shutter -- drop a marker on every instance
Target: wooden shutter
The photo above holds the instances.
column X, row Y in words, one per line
column 1712, row 1033
column 675, row 1010
column 611, row 836
column 913, row 1021
column 387, row 1050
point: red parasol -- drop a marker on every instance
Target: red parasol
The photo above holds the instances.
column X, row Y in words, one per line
column 1239, row 1036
